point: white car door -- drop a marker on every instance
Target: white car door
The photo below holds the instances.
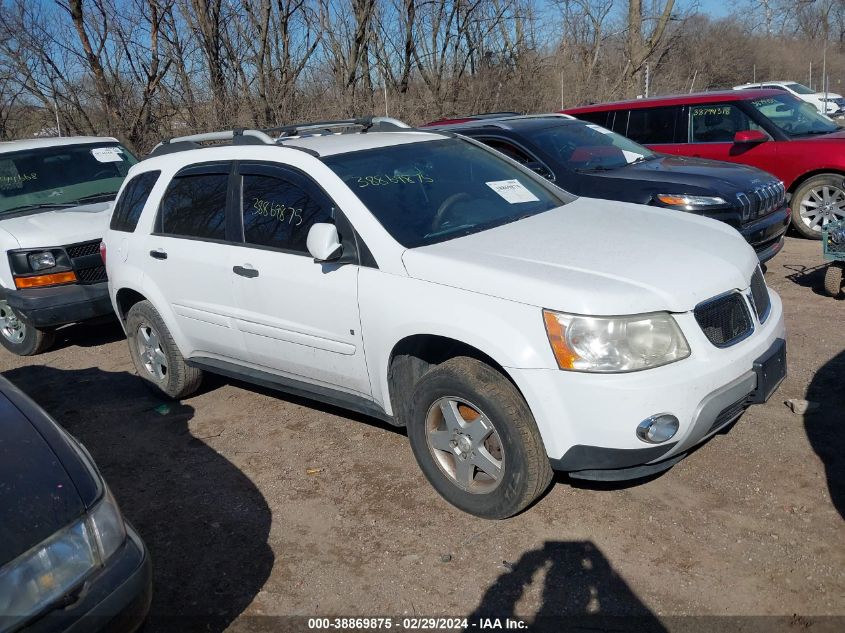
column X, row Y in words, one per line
column 298, row 317
column 189, row 261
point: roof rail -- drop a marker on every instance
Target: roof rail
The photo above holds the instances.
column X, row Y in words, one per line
column 498, row 121
column 242, row 136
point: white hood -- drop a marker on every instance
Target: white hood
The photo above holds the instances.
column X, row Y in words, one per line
column 595, row 257
column 58, row 227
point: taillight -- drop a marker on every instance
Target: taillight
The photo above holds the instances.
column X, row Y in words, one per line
column 103, row 252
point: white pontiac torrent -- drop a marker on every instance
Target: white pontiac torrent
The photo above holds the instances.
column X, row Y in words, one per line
column 424, row 279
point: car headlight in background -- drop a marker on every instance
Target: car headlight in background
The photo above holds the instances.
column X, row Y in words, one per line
column 40, row 576
column 41, row 261
column 614, row 344
column 690, row 202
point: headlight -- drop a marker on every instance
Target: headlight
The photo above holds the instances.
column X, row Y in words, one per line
column 39, row 577
column 614, row 344
column 686, row 201
column 41, row 261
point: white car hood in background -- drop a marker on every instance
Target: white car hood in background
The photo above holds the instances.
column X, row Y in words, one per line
column 595, row 257
column 58, row 227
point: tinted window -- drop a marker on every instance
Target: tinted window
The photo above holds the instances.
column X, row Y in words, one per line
column 195, row 206
column 511, row 151
column 132, row 200
column 599, row 118
column 654, row 125
column 278, row 212
column 718, row 123
column 620, row 123
column 432, row 191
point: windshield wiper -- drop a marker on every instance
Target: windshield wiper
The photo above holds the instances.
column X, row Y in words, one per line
column 108, row 195
column 40, row 205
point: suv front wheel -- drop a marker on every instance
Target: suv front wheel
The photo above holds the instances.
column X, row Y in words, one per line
column 20, row 337
column 475, row 439
column 155, row 355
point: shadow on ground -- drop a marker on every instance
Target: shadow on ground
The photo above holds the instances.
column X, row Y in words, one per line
column 88, row 334
column 580, row 591
column 825, row 426
column 205, row 523
column 811, row 277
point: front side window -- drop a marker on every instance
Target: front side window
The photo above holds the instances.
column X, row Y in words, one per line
column 588, row 147
column 61, row 176
column 195, row 206
column 432, row 191
column 656, row 125
column 794, row 117
column 128, row 208
column 718, row 122
column 278, row 212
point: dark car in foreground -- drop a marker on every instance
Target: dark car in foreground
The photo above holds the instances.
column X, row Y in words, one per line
column 589, row 160
column 68, row 559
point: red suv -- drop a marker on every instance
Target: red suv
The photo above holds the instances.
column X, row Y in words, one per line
column 768, row 129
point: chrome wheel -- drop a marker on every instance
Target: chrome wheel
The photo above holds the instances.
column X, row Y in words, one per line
column 150, row 353
column 822, row 205
column 11, row 327
column 465, row 445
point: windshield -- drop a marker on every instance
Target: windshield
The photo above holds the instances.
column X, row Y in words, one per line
column 793, row 116
column 61, row 176
column 588, row 147
column 800, row 89
column 432, row 191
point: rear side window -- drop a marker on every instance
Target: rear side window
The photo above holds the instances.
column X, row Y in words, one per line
column 195, row 206
column 278, row 212
column 655, row 125
column 599, row 118
column 132, row 200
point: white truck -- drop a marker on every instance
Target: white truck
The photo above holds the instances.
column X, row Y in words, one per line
column 427, row 280
column 55, row 198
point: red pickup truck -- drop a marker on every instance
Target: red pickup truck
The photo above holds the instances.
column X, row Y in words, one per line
column 768, row 129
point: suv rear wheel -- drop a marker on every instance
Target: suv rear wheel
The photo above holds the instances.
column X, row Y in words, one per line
column 155, row 355
column 20, row 337
column 818, row 201
column 475, row 439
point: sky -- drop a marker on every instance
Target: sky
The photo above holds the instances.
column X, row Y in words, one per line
column 717, row 8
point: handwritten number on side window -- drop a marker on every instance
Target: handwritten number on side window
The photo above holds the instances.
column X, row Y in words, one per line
column 277, row 210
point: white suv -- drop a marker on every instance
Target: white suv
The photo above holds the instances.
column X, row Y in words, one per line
column 427, row 280
column 830, row 103
column 55, row 199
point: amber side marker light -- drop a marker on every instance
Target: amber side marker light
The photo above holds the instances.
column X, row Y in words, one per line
column 565, row 357
column 39, row 281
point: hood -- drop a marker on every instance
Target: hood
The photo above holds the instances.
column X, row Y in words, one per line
column 37, row 495
column 681, row 174
column 58, row 227
column 594, row 257
column 829, row 95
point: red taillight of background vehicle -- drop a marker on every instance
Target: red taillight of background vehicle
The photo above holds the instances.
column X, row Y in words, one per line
column 103, row 252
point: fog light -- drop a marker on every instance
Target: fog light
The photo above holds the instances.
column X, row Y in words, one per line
column 658, row 428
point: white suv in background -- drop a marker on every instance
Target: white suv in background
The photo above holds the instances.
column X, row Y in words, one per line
column 55, row 200
column 427, row 280
column 831, row 104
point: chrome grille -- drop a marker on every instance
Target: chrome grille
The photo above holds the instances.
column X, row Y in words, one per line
column 760, row 296
column 724, row 320
column 761, row 201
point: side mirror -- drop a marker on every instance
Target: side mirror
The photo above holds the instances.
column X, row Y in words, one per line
column 541, row 169
column 323, row 242
column 750, row 136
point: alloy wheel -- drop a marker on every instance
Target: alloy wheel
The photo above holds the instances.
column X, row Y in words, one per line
column 11, row 327
column 152, row 357
column 822, row 205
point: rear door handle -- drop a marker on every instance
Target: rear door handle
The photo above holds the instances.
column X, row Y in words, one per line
column 245, row 271
column 158, row 254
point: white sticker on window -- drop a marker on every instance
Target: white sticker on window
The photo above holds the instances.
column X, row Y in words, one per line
column 631, row 156
column 512, row 190
column 107, row 154
column 599, row 128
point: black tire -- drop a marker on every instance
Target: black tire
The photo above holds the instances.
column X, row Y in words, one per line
column 525, row 471
column 833, row 278
column 803, row 192
column 176, row 379
column 19, row 336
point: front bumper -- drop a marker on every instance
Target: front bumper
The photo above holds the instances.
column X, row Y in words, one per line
column 116, row 600
column 58, row 305
column 588, row 421
column 766, row 234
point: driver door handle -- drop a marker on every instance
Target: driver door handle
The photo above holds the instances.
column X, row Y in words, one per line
column 245, row 271
column 158, row 254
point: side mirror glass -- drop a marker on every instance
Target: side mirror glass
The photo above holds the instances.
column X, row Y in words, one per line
column 750, row 136
column 323, row 242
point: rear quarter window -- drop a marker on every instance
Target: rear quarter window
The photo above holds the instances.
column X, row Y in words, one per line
column 657, row 125
column 128, row 208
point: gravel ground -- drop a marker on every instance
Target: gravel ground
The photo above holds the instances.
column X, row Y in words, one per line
column 255, row 503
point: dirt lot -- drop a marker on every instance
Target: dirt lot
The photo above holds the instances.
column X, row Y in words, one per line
column 255, row 503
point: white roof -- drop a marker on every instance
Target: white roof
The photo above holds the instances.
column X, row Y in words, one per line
column 56, row 141
column 331, row 144
column 757, row 84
